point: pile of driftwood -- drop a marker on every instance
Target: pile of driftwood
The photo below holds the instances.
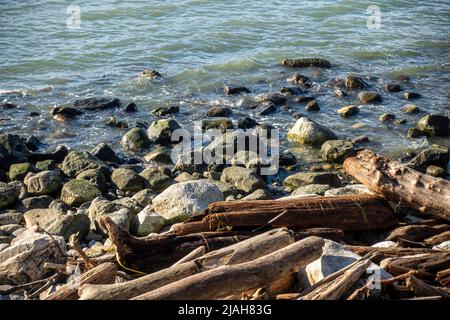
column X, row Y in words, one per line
column 255, row 249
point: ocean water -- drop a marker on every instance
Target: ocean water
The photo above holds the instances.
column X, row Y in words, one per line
column 51, row 56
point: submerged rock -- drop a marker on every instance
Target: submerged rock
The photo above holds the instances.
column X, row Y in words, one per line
column 301, row 179
column 164, row 111
column 312, row 106
column 150, row 73
column 348, row 110
column 219, row 112
column 386, row 117
column 411, row 95
column 306, row 62
column 97, row 103
column 231, row 89
column 410, row 108
column 247, row 123
column 220, row 123
column 309, row 132
column 392, row 87
column 414, row 133
column 130, row 108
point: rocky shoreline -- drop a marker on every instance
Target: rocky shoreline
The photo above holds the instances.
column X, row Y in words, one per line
column 67, row 192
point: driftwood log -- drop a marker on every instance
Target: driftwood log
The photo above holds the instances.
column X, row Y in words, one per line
column 421, row 288
column 348, row 213
column 240, row 252
column 416, row 232
column 400, row 184
column 233, row 279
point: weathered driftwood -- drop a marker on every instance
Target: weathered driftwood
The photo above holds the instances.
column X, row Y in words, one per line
column 104, row 273
column 423, row 263
column 416, row 232
column 383, row 253
column 437, row 239
column 400, row 184
column 421, row 288
column 233, row 279
column 326, row 233
column 348, row 213
column 240, row 252
column 444, row 277
column 200, row 251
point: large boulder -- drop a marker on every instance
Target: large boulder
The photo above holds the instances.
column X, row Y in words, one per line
column 242, row 178
column 127, row 180
column 8, row 195
column 144, row 197
column 76, row 162
column 135, row 139
column 301, row 179
column 104, row 152
column 434, row 125
column 118, row 212
column 76, row 192
column 308, row 132
column 160, row 131
column 43, row 183
column 337, row 150
column 24, row 260
column 38, row 202
column 183, row 200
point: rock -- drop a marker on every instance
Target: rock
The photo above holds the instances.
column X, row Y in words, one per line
column 411, row 95
column 23, row 261
column 10, row 217
column 369, row 97
column 43, row 183
column 400, row 121
column 385, row 244
column 159, row 154
column 152, row 74
column 21, row 189
column 94, row 176
column 247, row 123
column 227, row 189
column 156, row 179
column 360, row 139
column 58, row 223
column 186, row 176
column 12, row 150
column 300, row 79
column 230, row 89
column 444, row 246
column 160, row 131
column 127, row 180
column 353, row 82
column 298, row 196
column 337, row 150
column 414, row 133
column 65, row 113
column 436, row 155
column 39, row 202
column 301, row 179
column 315, row 189
column 348, row 111
column 312, row 106
column 18, row 171
column 410, row 108
column 115, row 123
column 217, row 123
column 97, row 103
column 104, row 152
column 130, row 108
column 259, row 194
column 144, row 197
column 57, row 155
column 164, row 111
column 266, row 108
column 385, row 117
column 307, row 62
column 183, row 200
column 303, row 99
column 340, row 93
column 148, row 222
column 291, row 91
column 77, row 162
column 136, row 139
column 392, row 87
column 287, row 159
column 434, row 125
column 309, row 132
column 335, row 257
column 8, row 195
column 219, row 112
column 275, row 98
column 128, row 203
column 402, row 77
column 7, row 105
column 46, row 165
column 124, row 218
column 436, row 171
column 348, row 190
column 242, row 178
column 76, row 192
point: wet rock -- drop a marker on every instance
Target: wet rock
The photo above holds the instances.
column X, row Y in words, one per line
column 242, row 178
column 8, row 105
column 39, row 202
column 434, row 155
column 337, row 150
column 301, row 179
column 166, row 110
column 3, row 176
column 369, row 97
column 159, row 154
column 160, row 131
column 402, row 77
column 312, row 106
column 18, row 171
column 315, row 189
column 104, row 152
column 392, row 87
column 76, row 192
column 45, row 165
column 217, row 123
column 308, row 132
column 306, row 62
column 13, row 149
column 148, row 222
column 156, row 179
column 247, row 123
column 8, row 195
column 183, row 200
column 57, row 155
column 436, row 171
column 360, row 139
column 34, row 114
column 150, row 73
column 96, row 177
column 127, row 180
column 259, row 194
column 219, row 112
column 130, row 108
column 58, row 223
column 65, row 113
column 275, row 98
column 266, row 108
column 412, row 95
column 434, row 125
column 414, row 133
column 33, row 143
column 136, row 140
column 115, row 123
column 230, row 89
column 348, row 190
column 97, row 103
column 287, row 159
column 144, row 197
column 340, row 93
column 353, row 82
column 400, row 121
column 300, row 79
column 43, row 183
column 303, row 99
column 77, row 162
column 348, row 111
column 410, row 108
column 386, row 117
column 291, row 91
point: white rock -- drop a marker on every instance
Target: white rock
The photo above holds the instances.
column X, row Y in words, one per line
column 443, row 246
column 148, row 222
column 309, row 132
column 385, row 244
column 353, row 189
column 186, row 199
column 3, row 246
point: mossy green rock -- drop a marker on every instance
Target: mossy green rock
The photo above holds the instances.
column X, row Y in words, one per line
column 127, row 180
column 160, row 131
column 18, row 171
column 45, row 165
column 8, row 195
column 135, row 140
column 96, row 177
column 436, row 171
column 76, row 162
column 76, row 192
column 337, row 150
column 220, row 123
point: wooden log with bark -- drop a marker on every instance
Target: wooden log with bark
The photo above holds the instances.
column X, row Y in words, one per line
column 422, row 289
column 400, row 184
column 443, row 277
column 233, row 279
column 427, row 265
column 416, row 232
column 240, row 252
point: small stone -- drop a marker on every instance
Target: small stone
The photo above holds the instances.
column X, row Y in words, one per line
column 300, row 79
column 18, row 171
column 130, row 107
column 217, row 123
column 164, row 111
column 247, row 123
column 410, row 108
column 76, row 192
column 275, row 98
column 369, row 97
column 414, row 133
column 436, row 171
column 434, row 125
column 392, row 87
column 230, row 89
column 360, row 139
column 337, row 150
column 348, row 110
column 113, row 122
column 340, row 93
column 266, row 108
column 135, row 140
column 301, row 179
column 219, row 112
column 312, row 106
column 8, row 105
column 150, row 73
column 353, row 82
column 292, row 91
column 386, row 117
column 306, row 62
column 411, row 95
column 127, row 180
column 303, row 99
